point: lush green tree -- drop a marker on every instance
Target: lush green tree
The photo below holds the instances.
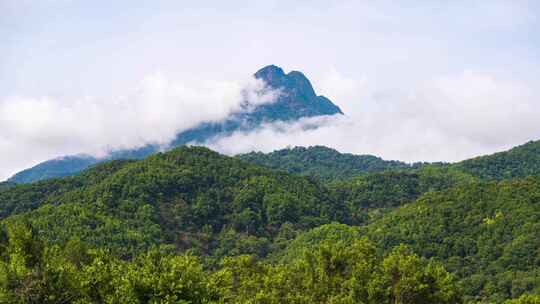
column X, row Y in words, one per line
column 525, row 299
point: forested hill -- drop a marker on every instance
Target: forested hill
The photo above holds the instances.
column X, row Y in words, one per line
column 328, row 164
column 520, row 161
column 486, row 233
column 323, row 163
column 230, row 231
column 187, row 198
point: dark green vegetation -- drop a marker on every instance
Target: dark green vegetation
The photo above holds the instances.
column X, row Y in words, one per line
column 188, row 198
column 486, row 233
column 328, row 164
column 296, row 99
column 520, row 161
column 368, row 197
column 195, row 226
column 323, row 163
column 33, row 272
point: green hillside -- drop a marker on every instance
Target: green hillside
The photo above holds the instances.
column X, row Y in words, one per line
column 323, row 163
column 371, row 195
column 31, row 271
column 231, row 231
column 188, row 198
column 521, row 161
column 487, row 233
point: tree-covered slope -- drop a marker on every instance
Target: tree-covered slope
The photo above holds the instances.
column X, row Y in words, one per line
column 521, row 161
column 302, row 235
column 323, row 163
column 487, row 233
column 32, row 271
column 20, row 198
column 188, row 198
column 329, row 165
column 369, row 196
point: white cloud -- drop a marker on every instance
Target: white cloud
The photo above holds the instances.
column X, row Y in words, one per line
column 446, row 119
column 56, row 48
column 37, row 129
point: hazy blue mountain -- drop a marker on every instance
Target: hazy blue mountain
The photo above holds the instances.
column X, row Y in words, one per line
column 60, row 167
column 297, row 99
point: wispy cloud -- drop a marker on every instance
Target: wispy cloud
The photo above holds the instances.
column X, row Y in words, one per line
column 34, row 129
column 446, row 119
column 389, row 56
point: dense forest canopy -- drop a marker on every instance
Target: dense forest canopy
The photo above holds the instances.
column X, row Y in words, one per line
column 194, row 226
column 521, row 161
column 485, row 233
column 323, row 163
column 328, row 164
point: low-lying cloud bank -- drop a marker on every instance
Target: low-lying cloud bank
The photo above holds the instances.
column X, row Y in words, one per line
column 36, row 129
column 446, row 119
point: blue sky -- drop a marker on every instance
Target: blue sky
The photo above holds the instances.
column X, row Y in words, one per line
column 410, row 63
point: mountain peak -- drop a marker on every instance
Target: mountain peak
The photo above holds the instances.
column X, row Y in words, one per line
column 296, row 100
column 275, row 77
column 272, row 75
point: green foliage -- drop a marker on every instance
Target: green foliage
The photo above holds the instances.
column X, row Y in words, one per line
column 519, row 162
column 33, row 273
column 329, row 165
column 18, row 199
column 193, row 226
column 329, row 272
column 368, row 197
column 322, row 163
column 525, row 299
column 330, row 233
column 339, row 273
column 485, row 233
column 170, row 198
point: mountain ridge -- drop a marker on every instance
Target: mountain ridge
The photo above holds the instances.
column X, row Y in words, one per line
column 194, row 200
column 323, row 162
column 297, row 100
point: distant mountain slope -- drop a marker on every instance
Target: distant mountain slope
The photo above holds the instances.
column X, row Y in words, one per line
column 328, row 164
column 323, row 163
column 521, row 161
column 60, row 167
column 296, row 100
column 187, row 198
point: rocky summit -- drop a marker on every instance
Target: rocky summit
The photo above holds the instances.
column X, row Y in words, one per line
column 296, row 99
